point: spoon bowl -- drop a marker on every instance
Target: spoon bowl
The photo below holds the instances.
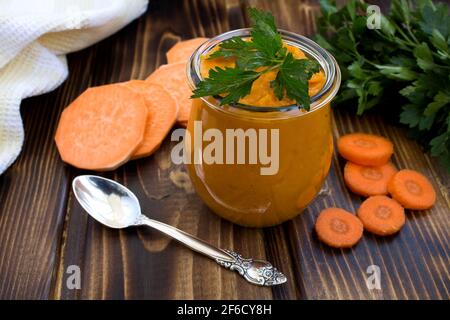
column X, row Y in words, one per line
column 107, row 201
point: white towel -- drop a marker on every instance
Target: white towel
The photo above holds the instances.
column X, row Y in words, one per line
column 35, row 35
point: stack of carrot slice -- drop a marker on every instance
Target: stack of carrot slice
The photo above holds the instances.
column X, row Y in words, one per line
column 370, row 173
column 108, row 125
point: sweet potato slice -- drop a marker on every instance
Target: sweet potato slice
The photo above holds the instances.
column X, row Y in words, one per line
column 182, row 51
column 173, row 78
column 162, row 115
column 102, row 128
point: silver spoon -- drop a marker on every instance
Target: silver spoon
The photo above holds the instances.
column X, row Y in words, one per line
column 113, row 205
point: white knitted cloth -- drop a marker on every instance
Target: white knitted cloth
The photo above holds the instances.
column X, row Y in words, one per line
column 35, row 35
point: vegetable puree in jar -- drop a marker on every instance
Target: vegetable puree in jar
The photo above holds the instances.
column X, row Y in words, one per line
column 239, row 192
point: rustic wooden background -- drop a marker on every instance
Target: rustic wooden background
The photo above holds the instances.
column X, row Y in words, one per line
column 43, row 230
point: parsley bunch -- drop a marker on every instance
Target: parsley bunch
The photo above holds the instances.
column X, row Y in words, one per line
column 264, row 52
column 401, row 70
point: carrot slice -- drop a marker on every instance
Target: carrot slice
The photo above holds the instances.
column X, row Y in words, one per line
column 182, row 51
column 381, row 215
column 173, row 78
column 102, row 128
column 162, row 114
column 412, row 190
column 368, row 181
column 365, row 149
column 338, row 228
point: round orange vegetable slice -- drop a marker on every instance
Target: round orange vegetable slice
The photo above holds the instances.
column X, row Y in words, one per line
column 102, row 128
column 365, row 149
column 368, row 181
column 412, row 190
column 338, row 228
column 182, row 51
column 173, row 78
column 381, row 215
column 162, row 114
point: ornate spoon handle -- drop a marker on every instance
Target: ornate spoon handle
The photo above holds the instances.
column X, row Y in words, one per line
column 258, row 272
column 254, row 271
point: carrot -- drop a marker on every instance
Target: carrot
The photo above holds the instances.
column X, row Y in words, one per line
column 182, row 51
column 162, row 114
column 338, row 228
column 173, row 78
column 102, row 128
column 365, row 149
column 412, row 190
column 368, row 181
column 381, row 215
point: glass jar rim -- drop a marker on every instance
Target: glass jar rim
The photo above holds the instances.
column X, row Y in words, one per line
column 327, row 63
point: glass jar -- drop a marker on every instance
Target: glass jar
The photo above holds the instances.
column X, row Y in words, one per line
column 267, row 192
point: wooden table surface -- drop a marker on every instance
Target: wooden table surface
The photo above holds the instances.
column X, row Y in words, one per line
column 43, row 230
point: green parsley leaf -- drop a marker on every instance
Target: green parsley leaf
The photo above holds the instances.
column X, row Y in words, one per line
column 424, row 57
column 263, row 52
column 435, row 18
column 235, row 82
column 440, row 100
column 397, row 72
column 232, row 47
column 247, row 57
column 411, row 115
column 265, row 36
column 292, row 79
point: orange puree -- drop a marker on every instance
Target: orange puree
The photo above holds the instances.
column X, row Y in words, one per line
column 261, row 93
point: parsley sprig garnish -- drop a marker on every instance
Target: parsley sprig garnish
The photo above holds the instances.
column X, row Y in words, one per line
column 400, row 70
column 263, row 52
